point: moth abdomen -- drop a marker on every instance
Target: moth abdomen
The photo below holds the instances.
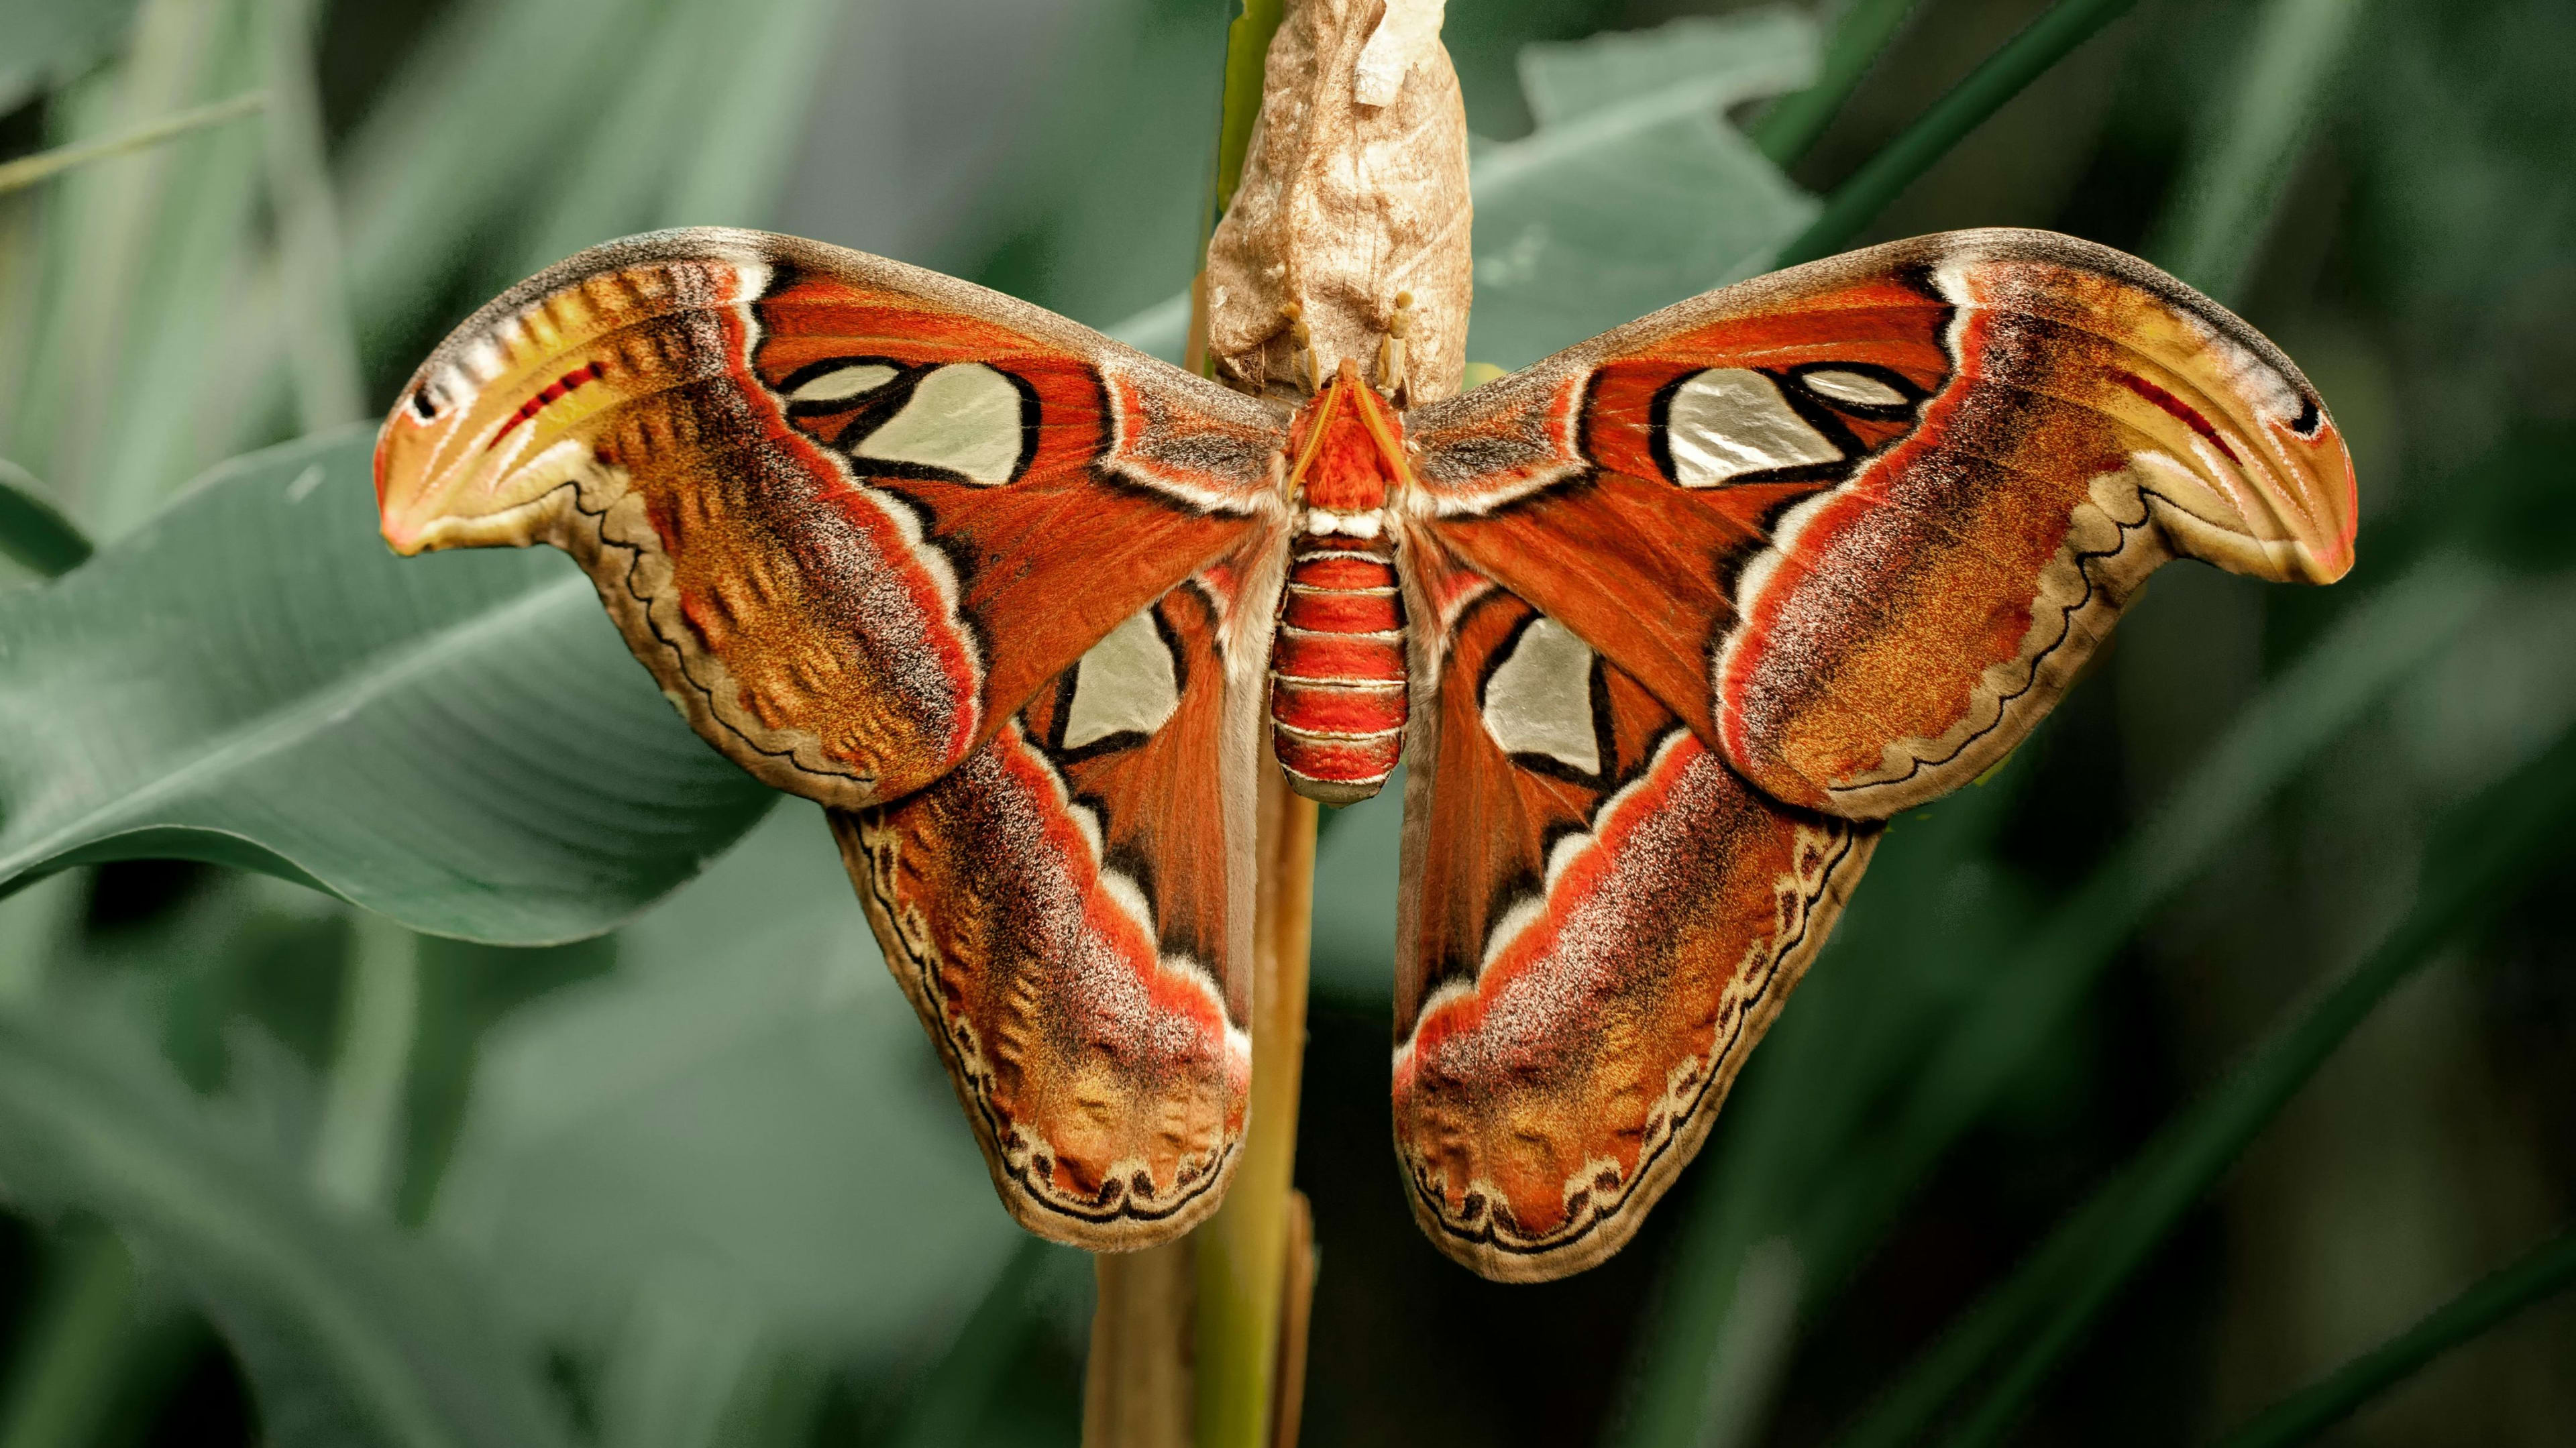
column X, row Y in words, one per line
column 1337, row 669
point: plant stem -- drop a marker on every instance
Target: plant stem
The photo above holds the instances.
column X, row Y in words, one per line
column 66, row 1380
column 1298, row 1264
column 1793, row 122
column 1997, row 79
column 1199, row 1341
column 1243, row 1250
column 45, row 165
column 357, row 1151
column 2547, row 1269
column 1247, row 53
column 1136, row 1382
column 322, row 347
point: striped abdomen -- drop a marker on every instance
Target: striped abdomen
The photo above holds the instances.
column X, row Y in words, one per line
column 1337, row 672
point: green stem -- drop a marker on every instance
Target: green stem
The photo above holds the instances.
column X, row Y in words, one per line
column 357, row 1152
column 33, row 531
column 1999, row 78
column 1247, row 52
column 1792, row 123
column 2547, row 1269
column 2483, row 857
column 45, row 165
column 322, row 346
column 1242, row 1250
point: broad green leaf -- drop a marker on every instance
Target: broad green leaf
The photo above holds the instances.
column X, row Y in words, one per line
column 1634, row 192
column 458, row 741
column 352, row 1335
column 1746, row 54
column 741, row 1132
column 41, row 41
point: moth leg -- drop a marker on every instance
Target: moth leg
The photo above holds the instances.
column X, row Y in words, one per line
column 1302, row 337
column 1390, row 350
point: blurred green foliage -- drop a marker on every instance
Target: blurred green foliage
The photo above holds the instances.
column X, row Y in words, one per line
column 699, row 1181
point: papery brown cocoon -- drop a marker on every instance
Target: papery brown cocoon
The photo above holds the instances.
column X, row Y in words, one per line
column 1354, row 190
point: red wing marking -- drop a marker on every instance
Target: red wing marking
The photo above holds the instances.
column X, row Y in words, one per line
column 2178, row 408
column 548, row 395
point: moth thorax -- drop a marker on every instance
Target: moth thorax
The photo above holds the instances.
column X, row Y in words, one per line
column 1349, row 450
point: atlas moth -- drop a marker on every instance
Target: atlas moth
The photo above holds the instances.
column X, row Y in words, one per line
column 1664, row 626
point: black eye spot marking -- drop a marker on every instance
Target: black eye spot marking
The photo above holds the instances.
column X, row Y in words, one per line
column 2311, row 418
